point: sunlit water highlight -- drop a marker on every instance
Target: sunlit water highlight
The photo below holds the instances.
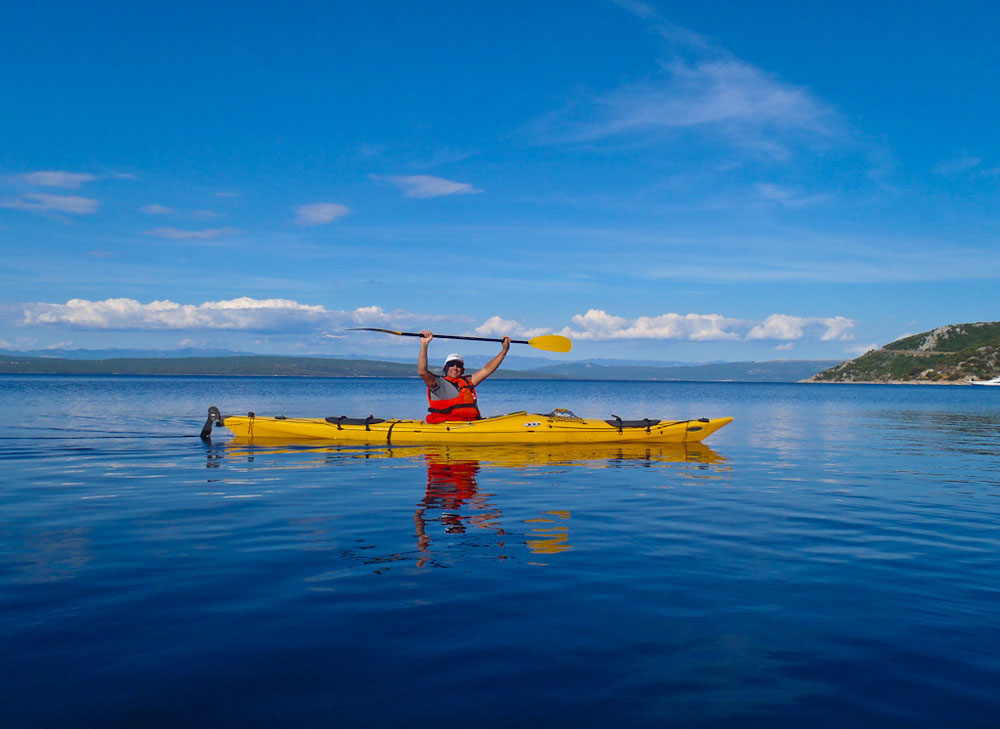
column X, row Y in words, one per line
column 828, row 559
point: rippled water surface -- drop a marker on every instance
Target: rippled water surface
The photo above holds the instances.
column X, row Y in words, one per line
column 831, row 559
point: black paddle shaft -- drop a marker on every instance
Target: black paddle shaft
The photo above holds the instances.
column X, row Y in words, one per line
column 436, row 336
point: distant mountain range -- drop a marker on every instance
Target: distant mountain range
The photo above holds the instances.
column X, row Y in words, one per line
column 773, row 371
column 124, row 353
column 182, row 362
column 512, row 361
column 951, row 353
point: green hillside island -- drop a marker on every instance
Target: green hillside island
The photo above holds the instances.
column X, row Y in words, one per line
column 272, row 366
column 954, row 353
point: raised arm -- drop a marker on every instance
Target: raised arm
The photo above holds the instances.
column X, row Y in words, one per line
column 490, row 367
column 425, row 374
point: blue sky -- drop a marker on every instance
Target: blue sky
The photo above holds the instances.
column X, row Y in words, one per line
column 662, row 180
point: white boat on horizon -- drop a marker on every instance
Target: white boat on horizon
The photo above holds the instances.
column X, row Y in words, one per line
column 994, row 381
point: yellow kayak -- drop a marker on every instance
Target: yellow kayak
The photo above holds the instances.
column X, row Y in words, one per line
column 523, row 428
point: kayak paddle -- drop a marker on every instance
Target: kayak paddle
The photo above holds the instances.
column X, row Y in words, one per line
column 548, row 342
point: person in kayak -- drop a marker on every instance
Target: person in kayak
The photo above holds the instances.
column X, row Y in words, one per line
column 452, row 395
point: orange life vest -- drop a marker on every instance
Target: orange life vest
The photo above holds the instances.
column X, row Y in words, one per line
column 462, row 407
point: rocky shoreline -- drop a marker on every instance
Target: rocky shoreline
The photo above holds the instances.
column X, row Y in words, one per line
column 811, row 381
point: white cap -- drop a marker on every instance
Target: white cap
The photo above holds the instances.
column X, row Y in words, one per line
column 453, row 357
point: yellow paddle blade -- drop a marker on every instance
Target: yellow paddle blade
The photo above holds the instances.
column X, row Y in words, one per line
column 551, row 343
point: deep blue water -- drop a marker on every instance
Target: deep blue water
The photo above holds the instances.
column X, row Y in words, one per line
column 832, row 560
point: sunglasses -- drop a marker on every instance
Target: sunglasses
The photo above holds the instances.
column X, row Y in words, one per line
column 454, row 364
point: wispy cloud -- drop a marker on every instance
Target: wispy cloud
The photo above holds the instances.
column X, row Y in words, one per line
column 786, row 196
column 700, row 87
column 675, row 35
column 180, row 234
column 640, row 9
column 240, row 314
column 868, row 259
column 154, row 209
column 729, row 96
column 58, row 178
column 598, row 325
column 38, row 202
column 426, row 186
column 320, row 213
column 958, row 165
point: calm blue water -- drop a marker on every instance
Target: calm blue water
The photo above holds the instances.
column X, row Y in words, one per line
column 832, row 561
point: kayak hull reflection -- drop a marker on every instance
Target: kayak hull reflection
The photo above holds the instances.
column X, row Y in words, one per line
column 512, row 455
column 515, row 428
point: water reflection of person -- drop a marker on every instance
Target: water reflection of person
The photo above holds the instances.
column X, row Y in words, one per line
column 452, row 488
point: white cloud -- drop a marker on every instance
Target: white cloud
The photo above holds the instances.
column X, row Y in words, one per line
column 838, row 328
column 426, row 186
column 240, row 314
column 498, row 327
column 787, row 346
column 858, row 351
column 156, row 210
column 785, row 327
column 38, row 202
column 370, row 315
column 58, row 178
column 320, row 213
column 598, row 321
column 599, row 325
column 179, row 234
column 779, row 326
